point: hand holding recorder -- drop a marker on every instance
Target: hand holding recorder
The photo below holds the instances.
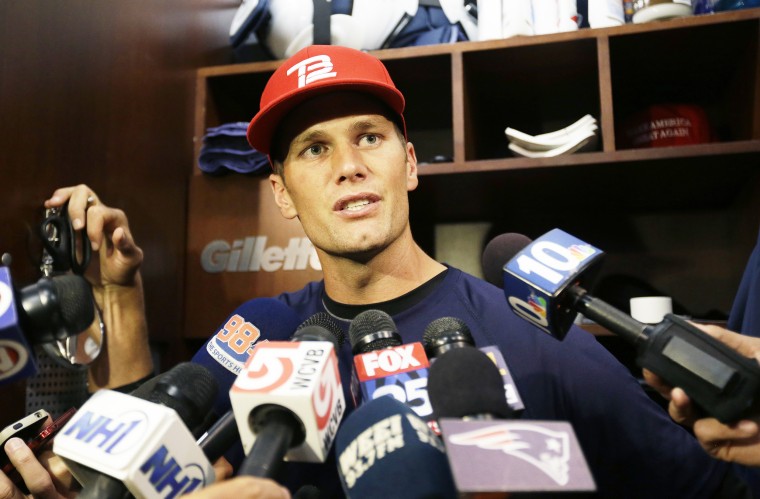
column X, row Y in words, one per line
column 737, row 442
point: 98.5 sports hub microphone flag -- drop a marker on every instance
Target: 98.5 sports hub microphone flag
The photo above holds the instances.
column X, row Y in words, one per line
column 534, row 280
column 301, row 377
column 16, row 360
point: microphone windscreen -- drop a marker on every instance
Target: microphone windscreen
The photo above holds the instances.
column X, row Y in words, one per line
column 445, row 333
column 465, row 382
column 77, row 305
column 320, row 327
column 225, row 353
column 499, row 251
column 190, row 389
column 384, row 449
column 372, row 330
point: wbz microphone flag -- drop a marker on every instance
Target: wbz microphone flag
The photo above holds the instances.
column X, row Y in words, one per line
column 300, row 376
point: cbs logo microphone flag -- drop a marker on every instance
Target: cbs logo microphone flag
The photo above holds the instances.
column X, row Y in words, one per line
column 302, row 377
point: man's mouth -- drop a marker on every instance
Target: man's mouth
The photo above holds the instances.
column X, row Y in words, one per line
column 356, row 205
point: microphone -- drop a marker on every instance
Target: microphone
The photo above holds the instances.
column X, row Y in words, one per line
column 225, row 353
column 544, row 284
column 49, row 310
column 385, row 366
column 141, row 442
column 223, row 434
column 501, row 249
column 447, row 333
column 488, row 453
column 288, row 399
column 385, row 450
column 55, row 308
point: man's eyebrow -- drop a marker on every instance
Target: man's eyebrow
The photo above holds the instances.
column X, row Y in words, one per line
column 310, row 136
column 366, row 124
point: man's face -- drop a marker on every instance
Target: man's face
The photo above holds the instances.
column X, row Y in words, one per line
column 347, row 173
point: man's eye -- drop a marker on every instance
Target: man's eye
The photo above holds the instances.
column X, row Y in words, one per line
column 314, row 149
column 371, row 139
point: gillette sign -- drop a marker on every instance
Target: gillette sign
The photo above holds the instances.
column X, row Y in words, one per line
column 252, row 254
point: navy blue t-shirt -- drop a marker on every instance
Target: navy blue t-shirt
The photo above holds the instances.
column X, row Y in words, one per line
column 633, row 447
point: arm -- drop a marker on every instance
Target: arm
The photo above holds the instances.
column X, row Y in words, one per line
column 738, row 442
column 242, row 487
column 117, row 286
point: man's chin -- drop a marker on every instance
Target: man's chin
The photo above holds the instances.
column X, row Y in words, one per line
column 361, row 254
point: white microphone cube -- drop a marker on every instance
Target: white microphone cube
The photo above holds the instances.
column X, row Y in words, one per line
column 302, row 377
column 144, row 445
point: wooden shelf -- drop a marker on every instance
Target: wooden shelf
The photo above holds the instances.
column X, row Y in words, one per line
column 461, row 97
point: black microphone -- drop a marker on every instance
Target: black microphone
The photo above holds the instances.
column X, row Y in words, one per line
column 55, row 308
column 288, row 400
column 499, row 250
column 465, row 383
column 373, row 330
column 448, row 333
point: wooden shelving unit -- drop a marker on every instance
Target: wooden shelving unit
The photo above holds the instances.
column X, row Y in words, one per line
column 461, row 97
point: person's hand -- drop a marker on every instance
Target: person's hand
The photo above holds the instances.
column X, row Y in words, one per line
column 116, row 285
column 46, row 477
column 241, row 487
column 738, row 442
column 119, row 257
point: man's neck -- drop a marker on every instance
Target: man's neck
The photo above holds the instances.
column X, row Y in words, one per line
column 393, row 273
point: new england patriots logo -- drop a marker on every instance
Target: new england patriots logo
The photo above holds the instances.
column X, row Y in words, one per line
column 545, row 449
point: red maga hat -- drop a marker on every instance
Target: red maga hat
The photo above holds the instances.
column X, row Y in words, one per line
column 315, row 70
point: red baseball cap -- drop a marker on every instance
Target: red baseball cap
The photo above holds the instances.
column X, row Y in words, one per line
column 314, row 70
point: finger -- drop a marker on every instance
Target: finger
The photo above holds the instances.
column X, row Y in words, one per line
column 745, row 345
column 7, row 489
column 657, row 383
column 101, row 222
column 123, row 242
column 711, row 430
column 738, row 442
column 59, row 472
column 35, row 476
column 82, row 198
column 222, row 469
column 59, row 197
column 680, row 408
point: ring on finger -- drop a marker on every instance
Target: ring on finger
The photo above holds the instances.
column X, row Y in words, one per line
column 90, row 200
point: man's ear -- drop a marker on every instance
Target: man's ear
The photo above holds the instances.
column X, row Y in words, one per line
column 411, row 168
column 282, row 196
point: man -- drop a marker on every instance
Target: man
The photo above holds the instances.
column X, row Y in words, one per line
column 331, row 121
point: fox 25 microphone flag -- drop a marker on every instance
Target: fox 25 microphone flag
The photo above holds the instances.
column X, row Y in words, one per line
column 301, row 377
column 144, row 445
